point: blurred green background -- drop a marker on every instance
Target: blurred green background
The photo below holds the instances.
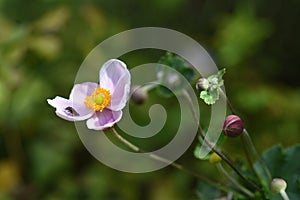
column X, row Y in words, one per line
column 42, row 44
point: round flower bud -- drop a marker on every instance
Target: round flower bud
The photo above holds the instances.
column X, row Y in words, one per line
column 202, row 84
column 277, row 185
column 138, row 95
column 233, row 126
column 214, row 158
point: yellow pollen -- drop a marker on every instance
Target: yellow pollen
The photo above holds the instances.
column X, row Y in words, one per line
column 98, row 100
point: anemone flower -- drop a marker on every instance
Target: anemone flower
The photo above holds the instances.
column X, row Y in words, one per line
column 100, row 104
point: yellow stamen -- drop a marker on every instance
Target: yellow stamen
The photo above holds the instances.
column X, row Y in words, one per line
column 98, row 100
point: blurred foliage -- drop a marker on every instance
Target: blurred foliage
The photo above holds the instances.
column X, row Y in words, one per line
column 168, row 78
column 42, row 44
column 240, row 35
column 206, row 192
column 282, row 164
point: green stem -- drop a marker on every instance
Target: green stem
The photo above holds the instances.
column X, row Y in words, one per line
column 248, row 157
column 223, row 156
column 233, row 181
column 231, row 164
column 150, row 86
column 249, row 141
column 253, row 149
column 227, row 100
column 174, row 164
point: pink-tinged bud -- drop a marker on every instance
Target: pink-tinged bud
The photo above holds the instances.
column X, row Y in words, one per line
column 138, row 95
column 202, row 84
column 233, row 126
column 277, row 185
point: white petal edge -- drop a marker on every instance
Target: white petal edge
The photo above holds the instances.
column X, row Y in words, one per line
column 60, row 104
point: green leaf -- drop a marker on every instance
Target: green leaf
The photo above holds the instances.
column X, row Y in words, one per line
column 207, row 192
column 206, row 97
column 197, row 153
column 212, row 94
column 210, row 97
column 221, row 73
column 282, row 164
column 217, row 79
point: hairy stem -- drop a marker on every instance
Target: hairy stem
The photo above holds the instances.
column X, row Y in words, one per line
column 248, row 157
column 249, row 142
column 233, row 181
column 227, row 100
column 150, row 86
column 223, row 156
column 253, row 149
column 174, row 164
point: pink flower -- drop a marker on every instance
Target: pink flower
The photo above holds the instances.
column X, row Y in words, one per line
column 100, row 104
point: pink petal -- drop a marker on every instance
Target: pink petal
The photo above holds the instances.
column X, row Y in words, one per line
column 110, row 74
column 103, row 120
column 68, row 111
column 115, row 77
column 121, row 93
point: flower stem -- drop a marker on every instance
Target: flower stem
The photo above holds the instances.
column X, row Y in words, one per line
column 227, row 100
column 246, row 135
column 223, row 156
column 233, row 181
column 150, row 86
column 174, row 164
column 284, row 195
column 248, row 157
column 253, row 149
column 231, row 164
column 126, row 142
column 249, row 142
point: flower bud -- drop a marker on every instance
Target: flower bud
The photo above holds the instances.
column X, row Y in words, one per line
column 214, row 158
column 138, row 95
column 277, row 185
column 233, row 126
column 202, row 84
